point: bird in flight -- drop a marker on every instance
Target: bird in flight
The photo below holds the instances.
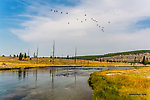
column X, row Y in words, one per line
column 83, row 20
column 102, row 30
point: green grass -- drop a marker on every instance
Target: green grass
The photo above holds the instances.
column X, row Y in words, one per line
column 121, row 84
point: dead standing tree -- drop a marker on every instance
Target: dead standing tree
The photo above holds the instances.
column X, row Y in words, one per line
column 53, row 51
column 75, row 56
column 28, row 53
column 37, row 54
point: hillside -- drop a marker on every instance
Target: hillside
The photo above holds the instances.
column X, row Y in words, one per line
column 129, row 56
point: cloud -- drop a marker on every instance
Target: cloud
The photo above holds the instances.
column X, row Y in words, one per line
column 45, row 26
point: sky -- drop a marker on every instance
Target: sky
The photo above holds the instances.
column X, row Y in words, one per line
column 28, row 24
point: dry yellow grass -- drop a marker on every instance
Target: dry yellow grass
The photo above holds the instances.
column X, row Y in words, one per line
column 13, row 62
column 132, row 84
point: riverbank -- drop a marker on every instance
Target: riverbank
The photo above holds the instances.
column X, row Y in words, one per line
column 13, row 63
column 131, row 84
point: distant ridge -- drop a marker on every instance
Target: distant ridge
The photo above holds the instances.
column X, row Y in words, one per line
column 91, row 57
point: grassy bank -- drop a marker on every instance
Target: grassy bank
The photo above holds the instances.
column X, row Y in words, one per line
column 132, row 84
column 13, row 62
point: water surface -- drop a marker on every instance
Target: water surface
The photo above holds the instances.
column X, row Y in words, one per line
column 48, row 83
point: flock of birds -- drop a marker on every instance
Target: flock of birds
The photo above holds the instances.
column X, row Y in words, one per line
column 85, row 19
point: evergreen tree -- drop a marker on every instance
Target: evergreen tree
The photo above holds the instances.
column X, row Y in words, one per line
column 20, row 56
column 14, row 56
column 67, row 56
column 100, row 60
column 25, row 55
column 144, row 61
column 51, row 57
column 135, row 59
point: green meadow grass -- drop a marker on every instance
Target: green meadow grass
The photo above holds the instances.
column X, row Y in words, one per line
column 132, row 84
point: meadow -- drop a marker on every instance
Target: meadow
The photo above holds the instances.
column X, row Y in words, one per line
column 13, row 62
column 131, row 84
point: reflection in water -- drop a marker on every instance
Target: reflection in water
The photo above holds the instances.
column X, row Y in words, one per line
column 52, row 85
column 36, row 75
column 19, row 74
column 52, row 80
column 75, row 76
column 24, row 74
column 46, row 84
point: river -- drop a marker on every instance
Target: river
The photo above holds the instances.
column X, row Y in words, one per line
column 48, row 83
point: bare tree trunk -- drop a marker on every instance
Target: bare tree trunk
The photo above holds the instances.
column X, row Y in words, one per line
column 53, row 51
column 28, row 53
column 37, row 54
column 75, row 55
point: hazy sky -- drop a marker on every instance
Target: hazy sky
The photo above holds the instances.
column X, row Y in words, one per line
column 26, row 24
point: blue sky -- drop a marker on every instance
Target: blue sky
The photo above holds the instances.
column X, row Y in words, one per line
column 9, row 11
column 145, row 23
column 24, row 24
column 8, row 15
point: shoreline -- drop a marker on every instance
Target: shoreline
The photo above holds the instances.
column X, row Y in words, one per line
column 26, row 66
